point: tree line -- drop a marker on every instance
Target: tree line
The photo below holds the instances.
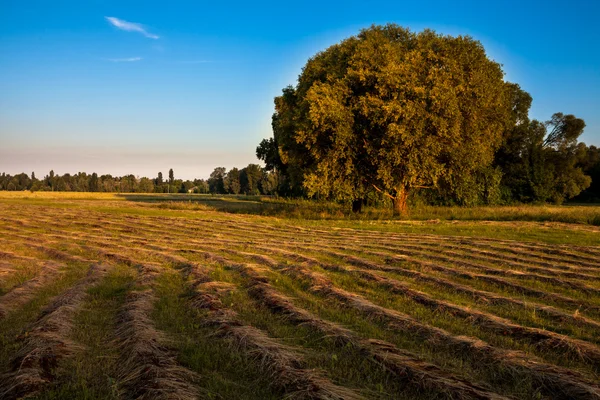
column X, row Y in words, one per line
column 251, row 180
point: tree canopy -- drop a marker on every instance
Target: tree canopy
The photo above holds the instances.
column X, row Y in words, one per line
column 390, row 110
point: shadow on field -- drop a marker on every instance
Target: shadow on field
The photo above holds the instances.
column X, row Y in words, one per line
column 318, row 210
column 240, row 204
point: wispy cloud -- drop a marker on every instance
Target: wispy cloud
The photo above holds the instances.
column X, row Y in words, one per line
column 130, row 59
column 130, row 27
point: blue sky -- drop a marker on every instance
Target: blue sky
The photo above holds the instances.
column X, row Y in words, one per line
column 190, row 85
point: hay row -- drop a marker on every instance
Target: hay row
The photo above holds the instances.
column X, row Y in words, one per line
column 543, row 339
column 22, row 294
column 553, row 380
column 551, row 311
column 493, row 298
column 576, row 318
column 553, row 280
column 281, row 362
column 522, row 260
column 482, row 295
column 47, row 341
column 546, row 339
column 422, row 259
column 147, row 368
column 589, row 255
column 478, row 295
column 405, row 366
column 458, row 259
column 516, row 251
column 34, row 242
column 6, row 268
column 510, row 246
column 539, row 250
column 506, row 258
column 523, row 268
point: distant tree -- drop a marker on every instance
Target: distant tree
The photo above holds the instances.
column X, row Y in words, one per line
column 269, row 182
column 231, row 182
column 94, row 183
column 145, row 185
column 215, row 181
column 541, row 160
column 108, row 183
column 392, row 111
column 33, row 176
column 50, row 181
column 171, row 176
column 159, row 179
column 268, row 151
column 564, row 153
column 202, row 186
column 590, row 165
column 61, row 184
column 250, row 178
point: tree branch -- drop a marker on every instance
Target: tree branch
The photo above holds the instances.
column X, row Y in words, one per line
column 381, row 191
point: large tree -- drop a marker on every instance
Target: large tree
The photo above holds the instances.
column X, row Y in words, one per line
column 390, row 110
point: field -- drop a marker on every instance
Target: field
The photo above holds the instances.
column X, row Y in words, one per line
column 181, row 297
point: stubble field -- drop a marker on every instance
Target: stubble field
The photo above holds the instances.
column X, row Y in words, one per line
column 105, row 298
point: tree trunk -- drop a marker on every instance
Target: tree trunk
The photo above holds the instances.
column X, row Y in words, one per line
column 400, row 207
column 357, row 205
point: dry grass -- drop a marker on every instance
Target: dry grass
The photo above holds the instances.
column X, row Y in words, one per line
column 335, row 310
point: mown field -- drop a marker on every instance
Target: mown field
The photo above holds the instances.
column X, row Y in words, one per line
column 107, row 296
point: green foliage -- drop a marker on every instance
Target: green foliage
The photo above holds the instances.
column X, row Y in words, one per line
column 250, row 178
column 541, row 161
column 94, row 182
column 268, row 151
column 590, row 165
column 215, row 181
column 480, row 187
column 391, row 110
column 231, row 182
